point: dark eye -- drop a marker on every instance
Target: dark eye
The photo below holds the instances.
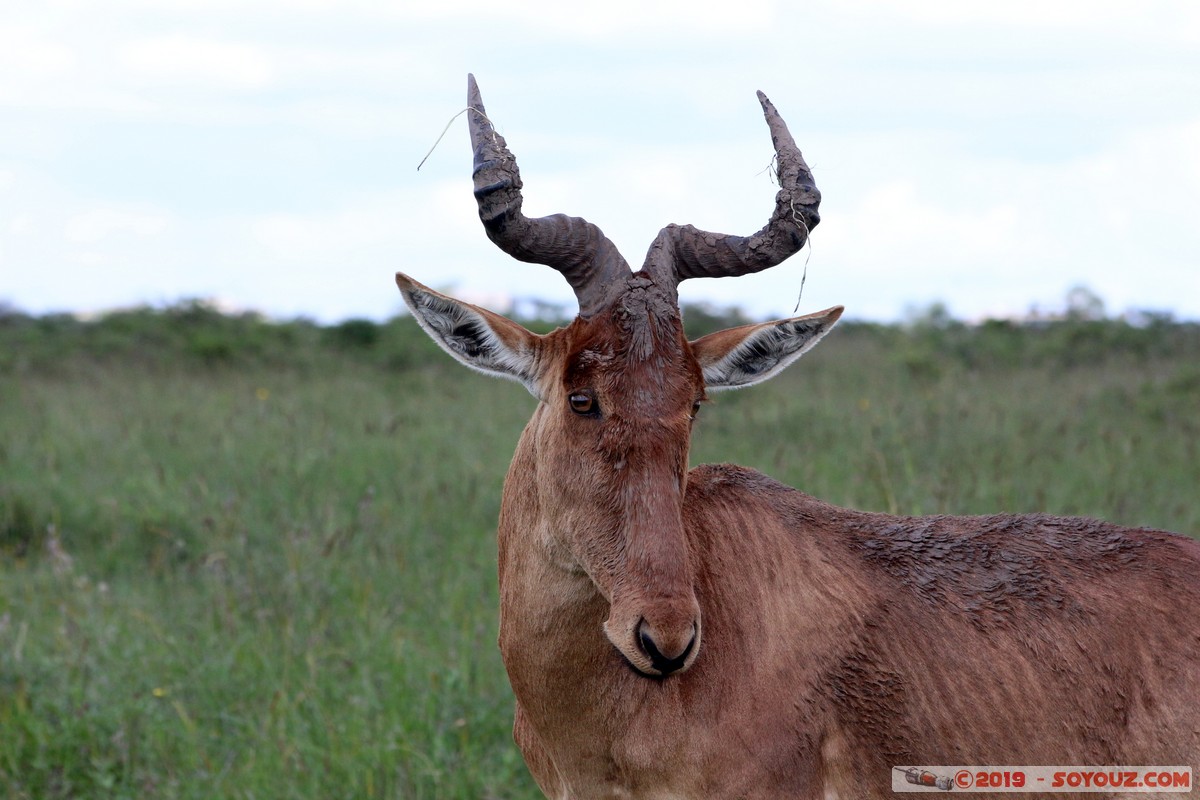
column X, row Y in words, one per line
column 695, row 409
column 583, row 402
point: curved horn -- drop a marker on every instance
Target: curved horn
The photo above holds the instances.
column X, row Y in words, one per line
column 682, row 252
column 576, row 248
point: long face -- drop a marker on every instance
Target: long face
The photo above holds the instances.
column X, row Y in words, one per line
column 620, row 387
column 612, row 448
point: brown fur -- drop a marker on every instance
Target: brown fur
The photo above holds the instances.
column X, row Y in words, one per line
column 947, row 640
column 836, row 644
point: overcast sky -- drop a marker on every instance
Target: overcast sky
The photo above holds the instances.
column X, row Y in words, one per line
column 263, row 152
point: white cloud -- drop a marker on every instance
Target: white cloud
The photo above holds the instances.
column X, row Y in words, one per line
column 601, row 21
column 333, row 235
column 1178, row 18
column 893, row 217
column 91, row 259
column 25, row 51
column 22, row 224
column 191, row 61
column 31, row 62
column 992, row 236
column 99, row 224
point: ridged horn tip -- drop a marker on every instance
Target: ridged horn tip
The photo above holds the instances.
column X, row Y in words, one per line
column 477, row 120
column 780, row 135
column 472, row 90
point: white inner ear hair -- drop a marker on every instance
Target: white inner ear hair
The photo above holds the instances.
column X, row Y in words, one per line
column 764, row 353
column 466, row 335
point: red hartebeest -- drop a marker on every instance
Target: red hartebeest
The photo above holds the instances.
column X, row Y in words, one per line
column 716, row 634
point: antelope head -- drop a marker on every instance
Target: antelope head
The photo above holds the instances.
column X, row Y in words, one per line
column 620, row 387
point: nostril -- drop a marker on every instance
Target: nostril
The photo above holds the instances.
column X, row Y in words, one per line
column 663, row 663
column 647, row 643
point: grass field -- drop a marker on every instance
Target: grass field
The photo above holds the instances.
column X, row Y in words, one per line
column 245, row 561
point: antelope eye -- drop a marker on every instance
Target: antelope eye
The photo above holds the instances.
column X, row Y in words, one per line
column 583, row 402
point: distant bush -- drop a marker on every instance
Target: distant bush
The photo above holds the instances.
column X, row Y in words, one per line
column 360, row 334
column 701, row 319
column 193, row 333
column 1002, row 344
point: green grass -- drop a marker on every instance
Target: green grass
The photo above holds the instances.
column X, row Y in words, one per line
column 248, row 561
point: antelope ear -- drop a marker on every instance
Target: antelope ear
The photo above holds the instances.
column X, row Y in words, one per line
column 751, row 354
column 475, row 336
